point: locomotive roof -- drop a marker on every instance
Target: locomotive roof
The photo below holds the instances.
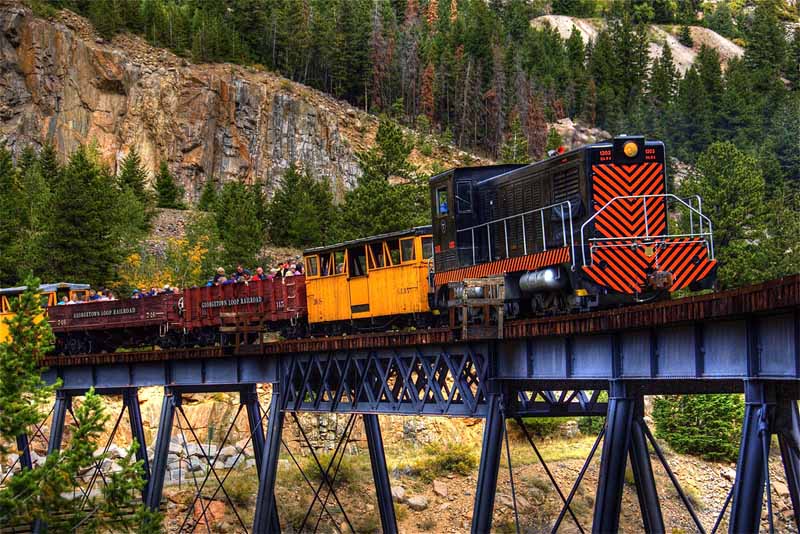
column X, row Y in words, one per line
column 45, row 288
column 419, row 230
column 502, row 168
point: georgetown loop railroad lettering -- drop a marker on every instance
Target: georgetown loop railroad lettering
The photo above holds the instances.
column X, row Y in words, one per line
column 103, row 313
column 230, row 302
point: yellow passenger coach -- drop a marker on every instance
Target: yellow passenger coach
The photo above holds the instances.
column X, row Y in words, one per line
column 372, row 282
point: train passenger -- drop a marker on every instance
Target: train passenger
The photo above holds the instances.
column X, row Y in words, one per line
column 259, row 274
column 93, row 295
column 167, row 290
column 64, row 300
column 240, row 272
column 136, row 294
column 220, row 274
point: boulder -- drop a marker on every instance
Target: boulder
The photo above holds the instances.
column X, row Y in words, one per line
column 439, row 488
column 398, row 494
column 417, row 503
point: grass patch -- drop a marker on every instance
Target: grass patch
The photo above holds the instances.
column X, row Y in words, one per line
column 427, row 524
column 352, row 468
column 242, row 486
column 444, row 459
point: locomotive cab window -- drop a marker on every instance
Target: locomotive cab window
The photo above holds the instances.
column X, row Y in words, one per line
column 312, row 266
column 407, row 249
column 427, row 248
column 357, row 261
column 442, row 207
column 464, row 197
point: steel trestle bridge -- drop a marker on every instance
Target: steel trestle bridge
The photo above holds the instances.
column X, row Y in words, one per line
column 746, row 340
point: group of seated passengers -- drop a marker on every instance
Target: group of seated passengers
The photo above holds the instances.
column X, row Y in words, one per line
column 92, row 296
column 244, row 276
column 154, row 292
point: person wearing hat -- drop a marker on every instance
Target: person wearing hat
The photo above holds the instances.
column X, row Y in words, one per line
column 167, row 290
column 136, row 294
column 220, row 274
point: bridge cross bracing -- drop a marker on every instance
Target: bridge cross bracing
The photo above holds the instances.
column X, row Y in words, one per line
column 746, row 341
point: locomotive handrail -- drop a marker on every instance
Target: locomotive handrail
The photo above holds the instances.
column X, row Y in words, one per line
column 701, row 217
column 566, row 205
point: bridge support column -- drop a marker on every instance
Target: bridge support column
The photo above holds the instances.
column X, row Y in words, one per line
column 748, row 489
column 249, row 398
column 789, row 440
column 23, row 444
column 380, row 473
column 266, row 516
column 62, row 404
column 130, row 399
column 490, row 464
column 160, row 455
column 625, row 436
column 646, row 490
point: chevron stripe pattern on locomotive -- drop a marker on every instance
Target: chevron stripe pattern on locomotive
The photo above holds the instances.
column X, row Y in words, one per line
column 631, row 239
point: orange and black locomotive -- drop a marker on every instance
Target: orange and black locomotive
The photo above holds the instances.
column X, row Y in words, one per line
column 587, row 228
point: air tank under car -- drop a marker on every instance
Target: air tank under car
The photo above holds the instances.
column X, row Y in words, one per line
column 582, row 229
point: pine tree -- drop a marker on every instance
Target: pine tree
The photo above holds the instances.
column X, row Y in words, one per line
column 79, row 241
column 708, row 426
column 685, row 37
column 169, row 193
column 734, row 196
column 388, row 157
column 301, row 213
column 8, row 207
column 554, row 140
column 515, row 148
column 133, row 176
column 239, row 221
column 766, row 47
column 208, row 197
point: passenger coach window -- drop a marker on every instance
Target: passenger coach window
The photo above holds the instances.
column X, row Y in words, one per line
column 441, row 201
column 394, row 251
column 464, row 197
column 312, row 266
column 358, row 261
column 338, row 258
column 407, row 248
column 427, row 248
column 377, row 255
column 327, row 264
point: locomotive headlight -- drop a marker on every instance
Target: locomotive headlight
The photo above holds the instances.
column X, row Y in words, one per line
column 631, row 149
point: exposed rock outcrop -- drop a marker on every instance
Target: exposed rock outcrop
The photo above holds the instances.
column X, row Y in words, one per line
column 60, row 82
column 683, row 56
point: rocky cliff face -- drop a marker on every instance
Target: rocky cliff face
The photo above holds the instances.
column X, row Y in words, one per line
column 60, row 82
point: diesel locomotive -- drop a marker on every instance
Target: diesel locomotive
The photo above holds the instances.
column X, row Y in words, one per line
column 587, row 228
column 584, row 229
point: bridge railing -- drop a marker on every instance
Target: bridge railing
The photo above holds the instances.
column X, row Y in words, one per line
column 680, row 211
column 537, row 230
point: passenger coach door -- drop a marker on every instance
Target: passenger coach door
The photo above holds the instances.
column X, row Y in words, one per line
column 358, row 282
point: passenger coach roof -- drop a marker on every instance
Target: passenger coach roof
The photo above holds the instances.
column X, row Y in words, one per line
column 419, row 230
column 44, row 288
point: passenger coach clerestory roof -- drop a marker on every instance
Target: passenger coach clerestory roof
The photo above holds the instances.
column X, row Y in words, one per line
column 45, row 288
column 419, row 230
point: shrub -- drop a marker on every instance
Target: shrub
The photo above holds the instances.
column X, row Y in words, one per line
column 708, row 426
column 442, row 459
column 543, row 426
column 591, row 425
